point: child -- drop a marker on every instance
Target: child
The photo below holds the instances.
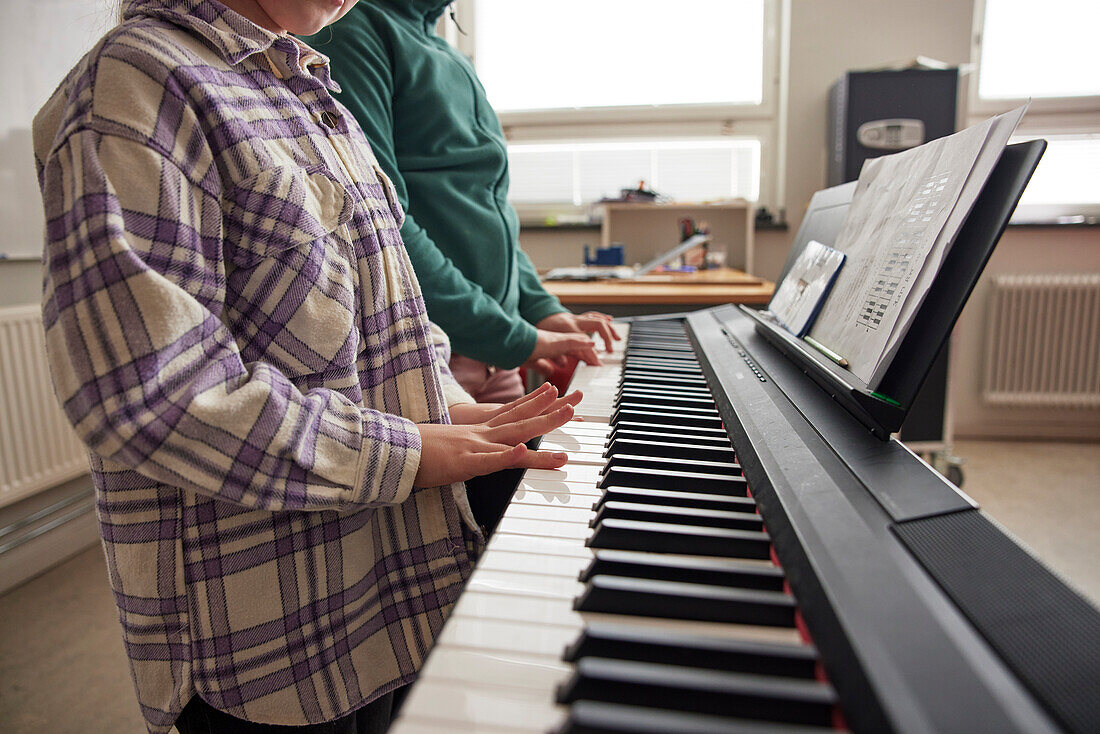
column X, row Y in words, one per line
column 235, row 331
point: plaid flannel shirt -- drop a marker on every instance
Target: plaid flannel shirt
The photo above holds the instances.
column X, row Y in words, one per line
column 235, row 331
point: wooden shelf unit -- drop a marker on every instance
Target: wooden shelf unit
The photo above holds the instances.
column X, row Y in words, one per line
column 646, row 230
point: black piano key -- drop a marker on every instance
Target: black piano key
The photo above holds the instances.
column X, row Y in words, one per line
column 664, row 567
column 623, row 642
column 618, row 459
column 664, row 356
column 664, row 368
column 679, row 400
column 598, row 717
column 687, row 540
column 679, row 600
column 680, row 688
column 678, row 515
column 641, row 378
column 673, row 419
column 666, row 348
column 676, row 497
column 675, row 391
column 706, row 408
column 666, row 340
column 640, row 372
column 670, row 447
column 677, row 355
column 693, row 432
column 675, row 363
column 692, row 391
column 689, row 481
column 655, row 405
column 678, row 412
column 651, row 366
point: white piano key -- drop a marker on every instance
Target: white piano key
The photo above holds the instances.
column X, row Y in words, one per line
column 568, row 473
column 586, row 374
column 482, row 633
column 475, row 607
column 584, row 428
column 551, row 512
column 497, row 669
column 577, row 441
column 534, row 563
column 541, row 528
column 574, row 440
column 520, row 611
column 551, row 489
column 524, row 584
column 570, row 444
column 551, row 498
column 599, row 392
column 586, row 458
column 505, row 541
column 596, row 395
column 482, row 707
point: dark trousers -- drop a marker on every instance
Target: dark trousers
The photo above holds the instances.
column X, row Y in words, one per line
column 489, row 496
column 199, row 717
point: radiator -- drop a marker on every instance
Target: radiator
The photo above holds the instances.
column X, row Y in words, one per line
column 38, row 447
column 1043, row 342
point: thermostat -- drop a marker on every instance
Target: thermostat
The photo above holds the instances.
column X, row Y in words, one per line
column 893, row 134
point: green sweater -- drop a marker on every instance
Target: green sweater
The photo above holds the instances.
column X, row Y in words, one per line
column 427, row 117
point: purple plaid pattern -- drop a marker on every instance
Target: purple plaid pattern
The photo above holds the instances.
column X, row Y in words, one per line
column 235, row 331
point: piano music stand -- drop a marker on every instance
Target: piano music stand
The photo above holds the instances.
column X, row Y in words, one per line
column 935, row 318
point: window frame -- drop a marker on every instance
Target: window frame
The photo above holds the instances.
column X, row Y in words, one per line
column 1062, row 112
column 1046, row 117
column 763, row 121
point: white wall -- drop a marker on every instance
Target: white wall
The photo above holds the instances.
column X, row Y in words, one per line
column 1021, row 250
column 43, row 39
column 828, row 38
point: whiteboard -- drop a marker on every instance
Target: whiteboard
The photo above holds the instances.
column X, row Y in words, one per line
column 42, row 40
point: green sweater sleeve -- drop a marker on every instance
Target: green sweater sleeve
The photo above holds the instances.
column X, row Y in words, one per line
column 475, row 323
column 535, row 303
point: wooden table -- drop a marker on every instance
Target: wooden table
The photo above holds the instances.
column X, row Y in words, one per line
column 663, row 292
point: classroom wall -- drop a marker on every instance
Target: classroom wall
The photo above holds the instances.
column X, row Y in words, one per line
column 827, row 39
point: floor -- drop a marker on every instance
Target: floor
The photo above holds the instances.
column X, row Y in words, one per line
column 62, row 667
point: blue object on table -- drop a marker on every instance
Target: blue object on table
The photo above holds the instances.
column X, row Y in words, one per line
column 612, row 255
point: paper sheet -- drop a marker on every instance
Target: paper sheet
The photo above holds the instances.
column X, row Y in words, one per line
column 905, row 213
column 1003, row 127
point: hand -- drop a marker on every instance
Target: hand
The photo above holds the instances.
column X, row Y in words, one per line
column 456, row 453
column 589, row 322
column 552, row 347
column 468, row 413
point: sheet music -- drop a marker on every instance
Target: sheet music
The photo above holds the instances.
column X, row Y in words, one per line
column 906, row 211
column 1003, row 127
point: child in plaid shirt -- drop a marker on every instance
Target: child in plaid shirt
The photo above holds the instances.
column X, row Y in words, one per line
column 235, row 331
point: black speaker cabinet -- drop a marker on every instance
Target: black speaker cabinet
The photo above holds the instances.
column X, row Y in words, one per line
column 872, row 113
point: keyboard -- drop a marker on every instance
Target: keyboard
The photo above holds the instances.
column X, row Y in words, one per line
column 726, row 551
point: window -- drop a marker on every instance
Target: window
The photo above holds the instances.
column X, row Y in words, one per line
column 685, row 170
column 595, row 97
column 1051, row 53
column 580, row 54
column 1052, row 58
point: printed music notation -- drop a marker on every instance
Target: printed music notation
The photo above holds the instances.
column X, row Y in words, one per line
column 904, row 216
